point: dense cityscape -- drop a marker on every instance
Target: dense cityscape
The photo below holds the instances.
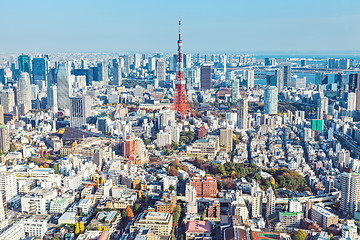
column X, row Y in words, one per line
column 177, row 145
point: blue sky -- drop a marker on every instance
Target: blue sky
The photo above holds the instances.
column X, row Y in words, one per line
column 151, row 26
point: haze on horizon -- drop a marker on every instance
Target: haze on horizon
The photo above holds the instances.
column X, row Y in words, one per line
column 151, row 26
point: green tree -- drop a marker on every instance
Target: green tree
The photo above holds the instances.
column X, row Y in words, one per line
column 251, row 234
column 171, row 188
column 299, row 235
column 174, row 145
column 124, row 214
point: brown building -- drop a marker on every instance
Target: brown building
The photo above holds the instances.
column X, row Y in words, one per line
column 167, row 204
column 206, row 187
column 213, row 211
column 129, row 147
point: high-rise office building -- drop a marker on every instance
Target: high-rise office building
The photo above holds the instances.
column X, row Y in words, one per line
column 40, row 69
column 84, row 64
column 151, row 64
column 8, row 100
column 63, row 86
column 4, row 139
column 102, row 72
column 279, row 76
column 323, row 106
column 137, row 60
column 351, row 101
column 80, row 108
column 190, row 78
column 187, row 60
column 340, row 79
column 3, row 221
column 235, row 90
column 270, row 202
column 172, row 63
column 160, row 71
column 226, row 138
column 24, row 97
column 286, row 71
column 24, row 63
column 271, row 100
column 249, row 78
column 350, row 192
column 243, row 109
column 52, row 101
column 354, row 82
column 117, row 74
column 205, row 76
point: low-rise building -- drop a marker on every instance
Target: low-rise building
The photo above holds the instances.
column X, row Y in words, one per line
column 198, row 229
column 159, row 222
column 323, row 217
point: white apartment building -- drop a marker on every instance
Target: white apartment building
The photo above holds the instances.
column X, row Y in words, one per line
column 158, row 222
column 8, row 185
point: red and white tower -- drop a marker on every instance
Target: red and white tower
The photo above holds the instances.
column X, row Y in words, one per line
column 180, row 103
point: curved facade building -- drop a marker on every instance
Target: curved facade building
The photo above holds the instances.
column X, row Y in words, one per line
column 63, row 86
column 24, row 92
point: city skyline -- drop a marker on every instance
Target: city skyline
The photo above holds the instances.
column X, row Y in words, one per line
column 112, row 26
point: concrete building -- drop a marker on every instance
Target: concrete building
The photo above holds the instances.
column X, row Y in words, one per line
column 323, row 217
column 80, row 108
column 249, row 78
column 197, row 230
column 8, row 185
column 8, row 100
column 160, row 223
column 286, row 71
column 256, row 205
column 270, row 202
column 350, row 192
column 235, row 90
column 206, row 187
column 226, row 139
column 4, row 139
column 243, row 115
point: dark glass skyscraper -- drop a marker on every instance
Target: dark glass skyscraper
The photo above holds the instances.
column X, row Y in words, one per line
column 24, row 63
column 40, row 69
column 205, row 76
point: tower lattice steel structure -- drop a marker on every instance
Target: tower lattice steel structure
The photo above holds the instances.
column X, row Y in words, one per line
column 180, row 102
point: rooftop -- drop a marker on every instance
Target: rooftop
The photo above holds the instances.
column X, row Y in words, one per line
column 198, row 227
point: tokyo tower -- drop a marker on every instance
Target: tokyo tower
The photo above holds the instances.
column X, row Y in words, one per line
column 180, row 103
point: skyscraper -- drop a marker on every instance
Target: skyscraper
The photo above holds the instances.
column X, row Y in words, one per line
column 40, row 69
column 243, row 113
column 8, row 100
column 286, row 71
column 160, row 71
column 323, row 105
column 79, row 110
column 187, row 60
column 137, row 60
column 279, row 76
column 172, row 63
column 271, row 100
column 1, row 114
column 24, row 92
column 354, row 82
column 24, row 63
column 235, row 90
column 52, row 101
column 205, row 76
column 102, row 71
column 270, row 202
column 63, row 86
column 4, row 139
column 190, row 76
column 351, row 101
column 117, row 73
column 249, row 78
column 350, row 192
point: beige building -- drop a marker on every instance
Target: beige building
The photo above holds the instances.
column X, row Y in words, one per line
column 159, row 223
column 226, row 139
column 323, row 217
